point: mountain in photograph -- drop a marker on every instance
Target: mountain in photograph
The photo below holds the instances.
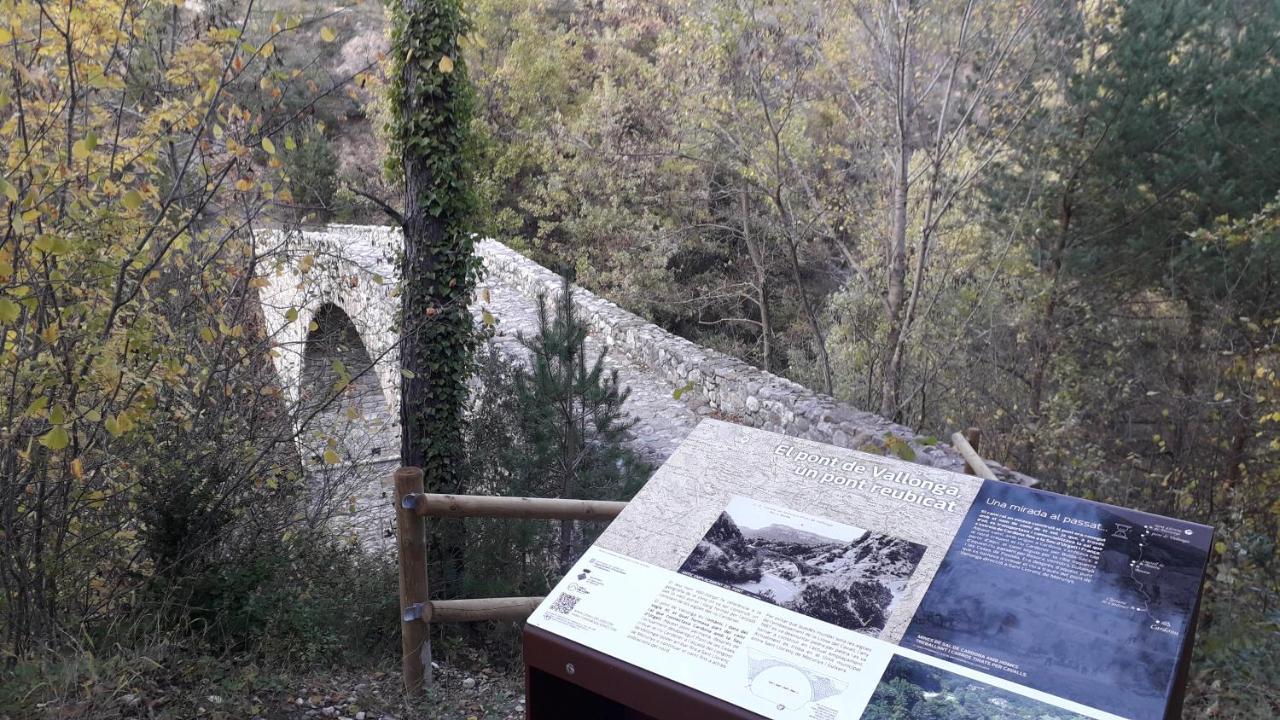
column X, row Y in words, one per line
column 847, row 583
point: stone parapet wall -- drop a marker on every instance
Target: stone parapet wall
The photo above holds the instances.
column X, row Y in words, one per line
column 715, row 382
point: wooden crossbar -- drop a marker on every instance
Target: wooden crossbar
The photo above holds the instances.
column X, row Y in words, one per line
column 472, row 610
column 526, row 508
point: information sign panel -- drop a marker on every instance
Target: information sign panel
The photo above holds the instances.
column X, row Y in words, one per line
column 799, row 580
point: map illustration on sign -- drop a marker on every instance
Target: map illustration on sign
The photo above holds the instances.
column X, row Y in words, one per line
column 788, row 685
column 801, row 581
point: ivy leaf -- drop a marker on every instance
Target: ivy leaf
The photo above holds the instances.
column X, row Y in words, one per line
column 56, row 439
column 327, row 34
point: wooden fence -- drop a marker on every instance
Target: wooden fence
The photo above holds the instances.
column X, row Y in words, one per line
column 417, row 611
column 413, row 506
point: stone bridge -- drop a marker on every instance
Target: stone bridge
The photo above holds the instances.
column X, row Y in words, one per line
column 330, row 303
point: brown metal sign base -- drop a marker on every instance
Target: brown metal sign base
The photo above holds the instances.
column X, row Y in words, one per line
column 566, row 680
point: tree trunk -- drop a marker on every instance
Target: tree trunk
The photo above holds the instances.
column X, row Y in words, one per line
column 896, row 243
column 432, row 106
column 756, row 252
column 895, row 289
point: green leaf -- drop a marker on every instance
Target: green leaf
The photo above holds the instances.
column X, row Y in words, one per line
column 56, row 439
column 901, row 448
column 680, row 391
column 8, row 190
column 9, row 311
column 327, row 34
column 291, row 314
column 132, row 200
column 269, row 146
column 331, row 457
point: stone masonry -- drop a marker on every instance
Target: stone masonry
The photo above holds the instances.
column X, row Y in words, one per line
column 673, row 381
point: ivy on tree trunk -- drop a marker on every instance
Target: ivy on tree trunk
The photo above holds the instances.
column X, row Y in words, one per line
column 431, row 104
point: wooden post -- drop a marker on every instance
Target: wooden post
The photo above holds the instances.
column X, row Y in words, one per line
column 973, row 462
column 974, row 436
column 411, row 537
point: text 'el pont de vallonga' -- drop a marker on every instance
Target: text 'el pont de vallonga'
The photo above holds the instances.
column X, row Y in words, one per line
column 872, row 479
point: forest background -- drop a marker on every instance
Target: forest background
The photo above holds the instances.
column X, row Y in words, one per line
column 1057, row 220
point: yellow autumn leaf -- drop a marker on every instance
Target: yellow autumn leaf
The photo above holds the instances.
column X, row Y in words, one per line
column 269, row 146
column 331, row 457
column 9, row 311
column 132, row 200
column 244, row 185
column 77, row 469
column 56, row 439
column 446, row 64
column 327, row 34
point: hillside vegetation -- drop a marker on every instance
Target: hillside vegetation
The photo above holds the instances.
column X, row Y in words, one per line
column 1057, row 220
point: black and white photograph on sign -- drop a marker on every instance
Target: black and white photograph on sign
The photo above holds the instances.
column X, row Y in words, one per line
column 841, row 574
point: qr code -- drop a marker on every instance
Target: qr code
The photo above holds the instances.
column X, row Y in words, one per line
column 564, row 604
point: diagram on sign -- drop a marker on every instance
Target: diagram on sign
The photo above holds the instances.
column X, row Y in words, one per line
column 786, row 685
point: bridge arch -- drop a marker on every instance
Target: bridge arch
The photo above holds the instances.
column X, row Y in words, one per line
column 342, row 405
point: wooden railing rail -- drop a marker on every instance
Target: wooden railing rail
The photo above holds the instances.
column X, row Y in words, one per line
column 526, row 508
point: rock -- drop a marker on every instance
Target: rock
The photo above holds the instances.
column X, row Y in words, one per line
column 360, row 715
column 469, row 683
column 328, row 711
column 214, row 699
column 299, row 702
column 130, row 700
